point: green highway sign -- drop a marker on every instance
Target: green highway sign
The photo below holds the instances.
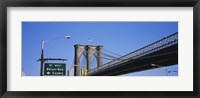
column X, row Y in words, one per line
column 54, row 69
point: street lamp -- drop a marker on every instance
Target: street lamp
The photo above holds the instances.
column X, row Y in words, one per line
column 42, row 50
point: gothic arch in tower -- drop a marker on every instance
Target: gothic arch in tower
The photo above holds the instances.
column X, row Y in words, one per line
column 88, row 51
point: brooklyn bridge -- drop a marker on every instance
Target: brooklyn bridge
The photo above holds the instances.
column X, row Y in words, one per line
column 161, row 53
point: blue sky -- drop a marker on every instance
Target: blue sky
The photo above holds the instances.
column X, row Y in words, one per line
column 118, row 37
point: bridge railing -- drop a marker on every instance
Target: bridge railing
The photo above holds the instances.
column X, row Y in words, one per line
column 160, row 44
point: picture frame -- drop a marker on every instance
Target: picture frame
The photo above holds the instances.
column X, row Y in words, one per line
column 98, row 3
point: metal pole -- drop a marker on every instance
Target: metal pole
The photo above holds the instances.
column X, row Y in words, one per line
column 166, row 71
column 42, row 52
column 42, row 58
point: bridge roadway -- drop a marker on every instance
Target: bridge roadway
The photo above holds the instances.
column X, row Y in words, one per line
column 160, row 53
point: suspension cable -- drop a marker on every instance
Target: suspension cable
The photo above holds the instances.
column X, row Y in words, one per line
column 111, row 52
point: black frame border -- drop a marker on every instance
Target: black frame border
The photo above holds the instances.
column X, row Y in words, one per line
column 99, row 3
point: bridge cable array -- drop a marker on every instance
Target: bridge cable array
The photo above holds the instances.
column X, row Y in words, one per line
column 106, row 56
column 111, row 52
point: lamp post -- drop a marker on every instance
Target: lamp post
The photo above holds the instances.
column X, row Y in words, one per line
column 42, row 59
column 42, row 51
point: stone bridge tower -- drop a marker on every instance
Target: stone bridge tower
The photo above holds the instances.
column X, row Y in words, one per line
column 88, row 51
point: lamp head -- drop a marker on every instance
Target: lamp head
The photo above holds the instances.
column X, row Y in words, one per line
column 68, row 37
column 154, row 65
